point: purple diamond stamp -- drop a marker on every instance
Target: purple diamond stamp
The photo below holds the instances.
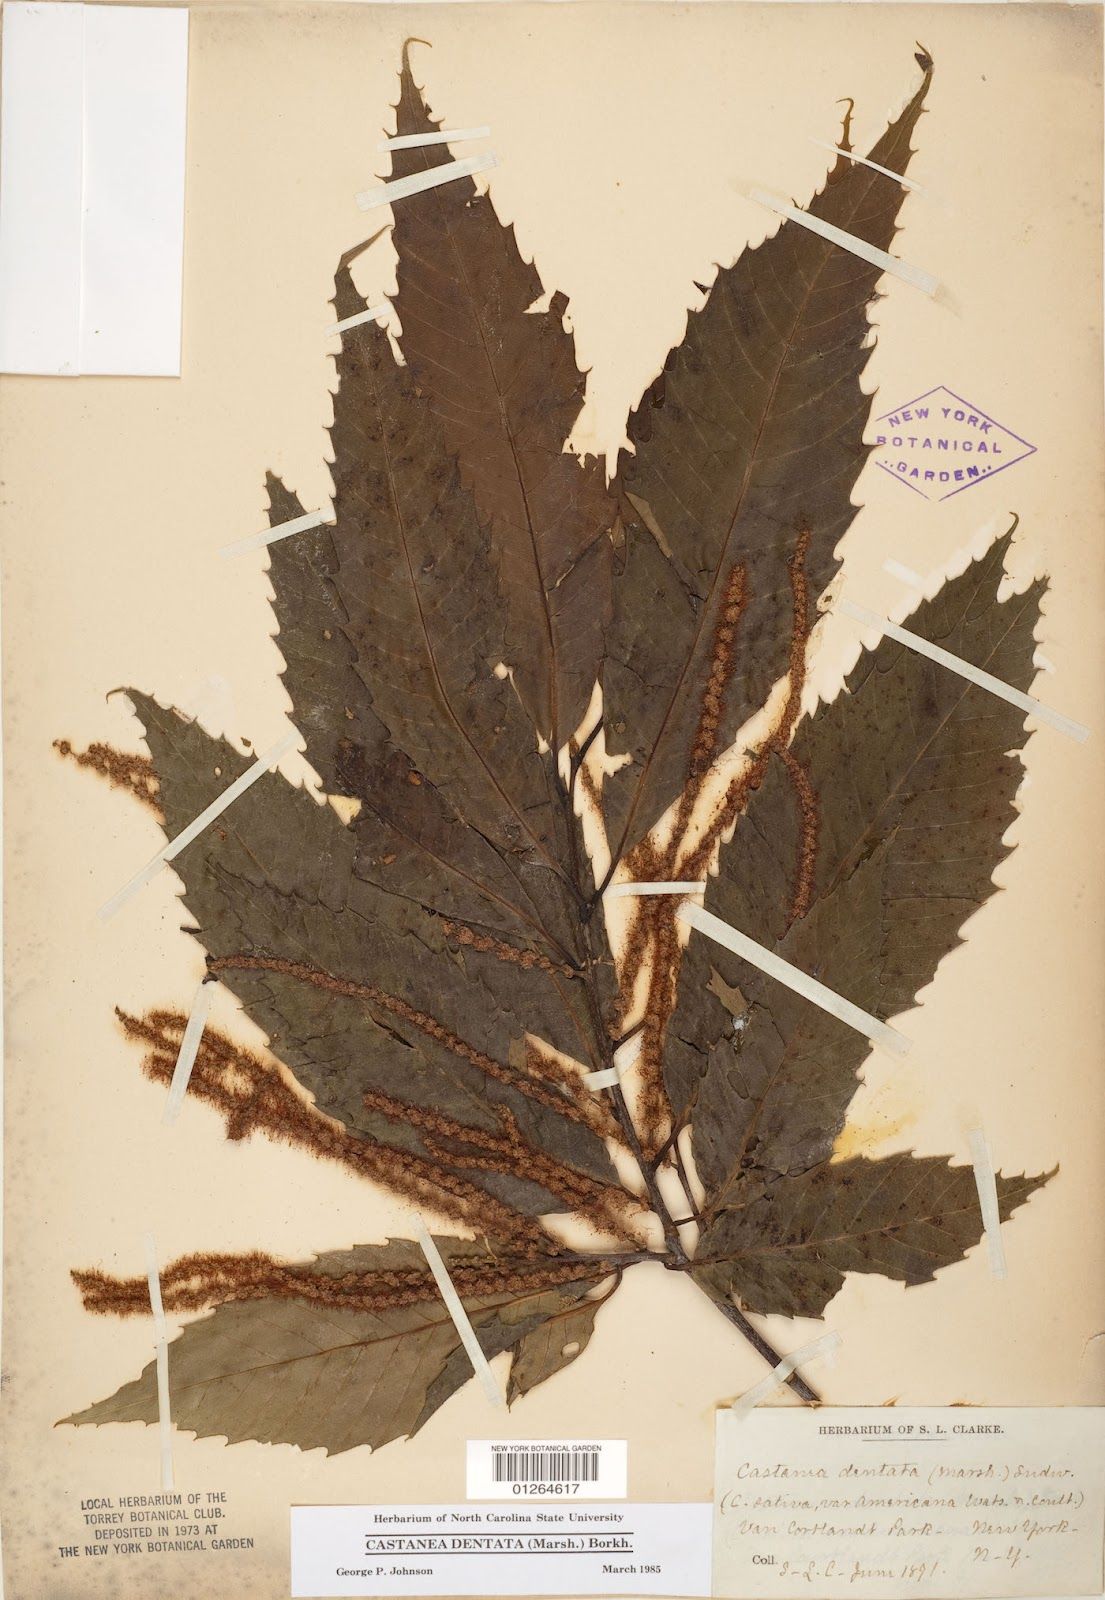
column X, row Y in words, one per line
column 940, row 444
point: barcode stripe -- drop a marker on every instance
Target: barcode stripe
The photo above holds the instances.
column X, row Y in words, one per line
column 546, row 1466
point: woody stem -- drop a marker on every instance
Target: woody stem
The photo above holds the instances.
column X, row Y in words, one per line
column 602, row 1039
column 736, row 1316
column 676, row 1256
column 686, row 1182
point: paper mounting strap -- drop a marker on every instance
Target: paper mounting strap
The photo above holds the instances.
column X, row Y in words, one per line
column 282, row 530
column 863, row 161
column 460, row 1317
column 816, row 1350
column 848, row 241
column 619, row 891
column 369, row 314
column 987, row 1185
column 416, row 141
column 879, row 1033
column 196, row 827
column 624, row 1057
column 161, row 1339
column 418, row 182
column 984, row 680
column 189, row 1048
column 903, row 573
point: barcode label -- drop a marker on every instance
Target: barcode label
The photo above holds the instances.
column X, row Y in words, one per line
column 543, row 1469
column 546, row 1466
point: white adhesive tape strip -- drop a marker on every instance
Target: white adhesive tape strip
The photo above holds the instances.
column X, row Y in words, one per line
column 605, row 1079
column 619, row 891
column 370, row 315
column 624, row 1057
column 283, row 530
column 848, row 241
column 194, row 829
column 903, row 574
column 984, row 680
column 987, row 1186
column 161, row 1337
column 460, row 1317
column 862, row 161
column 416, row 141
column 817, row 1349
column 400, row 188
column 879, row 1033
column 626, row 1053
column 189, row 1046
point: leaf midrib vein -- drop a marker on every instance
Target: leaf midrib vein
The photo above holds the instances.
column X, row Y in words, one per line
column 855, row 855
column 542, row 587
column 706, row 609
column 426, row 1328
column 466, row 738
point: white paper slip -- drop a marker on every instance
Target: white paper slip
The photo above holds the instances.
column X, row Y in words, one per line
column 948, row 1503
column 41, row 181
column 547, row 1469
column 92, row 151
column 501, row 1550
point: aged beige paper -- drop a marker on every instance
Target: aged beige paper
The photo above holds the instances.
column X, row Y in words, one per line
column 924, row 1501
column 628, row 137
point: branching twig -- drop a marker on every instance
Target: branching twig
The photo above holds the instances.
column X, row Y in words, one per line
column 675, row 1256
column 736, row 1316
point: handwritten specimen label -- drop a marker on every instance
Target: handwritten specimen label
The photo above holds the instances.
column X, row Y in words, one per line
column 948, row 1503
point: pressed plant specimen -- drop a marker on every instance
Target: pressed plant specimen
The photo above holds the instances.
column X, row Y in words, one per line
column 429, row 956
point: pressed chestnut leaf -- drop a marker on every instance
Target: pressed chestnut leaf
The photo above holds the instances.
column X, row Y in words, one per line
column 427, row 957
column 356, row 990
column 903, row 1217
column 554, row 1343
column 318, row 1374
column 409, row 840
column 504, row 381
column 746, row 451
column 423, row 611
column 913, row 773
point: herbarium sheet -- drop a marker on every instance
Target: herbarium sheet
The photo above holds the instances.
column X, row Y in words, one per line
column 600, row 650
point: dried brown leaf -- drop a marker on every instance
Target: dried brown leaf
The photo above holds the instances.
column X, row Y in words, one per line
column 293, row 1371
column 554, row 1343
column 504, row 381
column 904, row 1217
column 355, row 989
column 749, row 441
column 914, row 772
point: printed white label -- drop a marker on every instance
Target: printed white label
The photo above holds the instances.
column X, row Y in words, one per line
column 942, row 1503
column 501, row 1550
column 547, row 1469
